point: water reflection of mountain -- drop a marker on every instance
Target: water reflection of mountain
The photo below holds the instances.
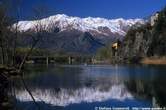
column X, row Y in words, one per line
column 65, row 97
column 62, row 86
column 65, row 85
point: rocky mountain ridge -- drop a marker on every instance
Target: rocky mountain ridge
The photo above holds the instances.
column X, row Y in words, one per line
column 81, row 35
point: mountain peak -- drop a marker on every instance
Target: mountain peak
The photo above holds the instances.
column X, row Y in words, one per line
column 64, row 22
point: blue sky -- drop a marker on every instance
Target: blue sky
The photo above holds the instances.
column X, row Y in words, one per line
column 95, row 8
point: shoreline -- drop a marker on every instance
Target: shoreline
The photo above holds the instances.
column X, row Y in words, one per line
column 154, row 60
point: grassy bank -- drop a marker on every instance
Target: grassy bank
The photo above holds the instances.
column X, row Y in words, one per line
column 154, row 60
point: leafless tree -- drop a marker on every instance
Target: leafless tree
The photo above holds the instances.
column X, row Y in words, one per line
column 8, row 33
column 4, row 35
column 8, row 39
column 37, row 34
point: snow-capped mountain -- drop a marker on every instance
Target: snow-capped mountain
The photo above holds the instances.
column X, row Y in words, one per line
column 89, row 24
column 75, row 34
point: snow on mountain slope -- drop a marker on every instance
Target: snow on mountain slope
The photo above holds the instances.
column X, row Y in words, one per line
column 89, row 24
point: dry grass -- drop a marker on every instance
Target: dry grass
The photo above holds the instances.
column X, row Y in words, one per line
column 154, row 60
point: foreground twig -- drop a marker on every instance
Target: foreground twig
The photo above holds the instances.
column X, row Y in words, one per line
column 26, row 87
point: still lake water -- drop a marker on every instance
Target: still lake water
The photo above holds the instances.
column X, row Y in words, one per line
column 80, row 87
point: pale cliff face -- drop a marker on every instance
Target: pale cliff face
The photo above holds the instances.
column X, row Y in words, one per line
column 153, row 19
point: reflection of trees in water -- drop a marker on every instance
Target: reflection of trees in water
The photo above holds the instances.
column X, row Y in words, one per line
column 51, row 77
column 159, row 86
column 139, row 88
column 149, row 87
